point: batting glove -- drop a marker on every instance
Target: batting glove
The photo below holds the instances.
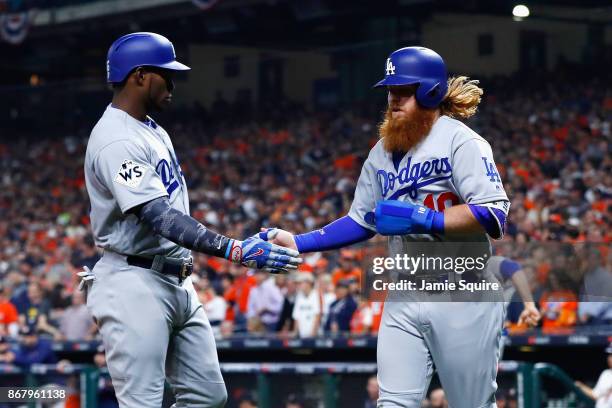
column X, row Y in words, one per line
column 254, row 252
column 401, row 218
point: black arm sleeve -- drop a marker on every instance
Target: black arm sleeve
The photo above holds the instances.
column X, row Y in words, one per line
column 182, row 229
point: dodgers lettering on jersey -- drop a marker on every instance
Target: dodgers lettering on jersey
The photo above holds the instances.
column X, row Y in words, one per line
column 129, row 163
column 412, row 177
column 452, row 165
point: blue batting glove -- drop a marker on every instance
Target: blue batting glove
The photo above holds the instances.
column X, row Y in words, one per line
column 402, row 218
column 254, row 252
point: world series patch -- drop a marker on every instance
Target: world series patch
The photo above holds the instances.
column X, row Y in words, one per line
column 130, row 174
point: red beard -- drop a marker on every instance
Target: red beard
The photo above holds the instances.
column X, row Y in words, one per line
column 403, row 133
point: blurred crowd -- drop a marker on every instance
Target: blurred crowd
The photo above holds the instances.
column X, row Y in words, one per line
column 297, row 169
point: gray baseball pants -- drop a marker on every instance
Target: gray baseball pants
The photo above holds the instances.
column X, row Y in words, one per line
column 154, row 329
column 458, row 340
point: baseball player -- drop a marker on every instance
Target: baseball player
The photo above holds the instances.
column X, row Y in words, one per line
column 512, row 276
column 430, row 178
column 140, row 293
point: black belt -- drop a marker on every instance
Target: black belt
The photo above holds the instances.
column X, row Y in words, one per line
column 180, row 268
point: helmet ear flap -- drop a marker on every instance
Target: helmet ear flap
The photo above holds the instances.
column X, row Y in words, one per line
column 430, row 93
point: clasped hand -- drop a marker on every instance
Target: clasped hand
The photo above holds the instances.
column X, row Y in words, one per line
column 262, row 252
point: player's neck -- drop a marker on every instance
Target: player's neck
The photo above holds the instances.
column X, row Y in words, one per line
column 123, row 103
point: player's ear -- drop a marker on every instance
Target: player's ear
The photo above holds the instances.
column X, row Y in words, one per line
column 139, row 74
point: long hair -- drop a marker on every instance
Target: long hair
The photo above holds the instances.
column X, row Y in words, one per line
column 462, row 98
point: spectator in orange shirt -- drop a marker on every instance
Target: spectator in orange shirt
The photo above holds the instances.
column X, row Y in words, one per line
column 8, row 314
column 559, row 304
column 347, row 270
column 237, row 295
column 361, row 322
column 377, row 311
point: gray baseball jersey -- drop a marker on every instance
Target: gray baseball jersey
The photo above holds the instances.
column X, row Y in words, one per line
column 452, row 165
column 128, row 163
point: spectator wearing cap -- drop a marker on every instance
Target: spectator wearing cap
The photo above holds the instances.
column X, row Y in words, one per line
column 76, row 323
column 341, row 310
column 8, row 314
column 307, row 309
column 265, row 303
column 33, row 349
column 346, row 270
column 602, row 393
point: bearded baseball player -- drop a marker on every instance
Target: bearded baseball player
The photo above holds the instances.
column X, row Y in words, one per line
column 430, row 178
column 140, row 293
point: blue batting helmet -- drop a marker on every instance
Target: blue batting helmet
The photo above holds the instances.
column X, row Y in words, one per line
column 418, row 66
column 137, row 50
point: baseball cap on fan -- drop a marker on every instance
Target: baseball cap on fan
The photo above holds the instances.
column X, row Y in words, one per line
column 609, row 348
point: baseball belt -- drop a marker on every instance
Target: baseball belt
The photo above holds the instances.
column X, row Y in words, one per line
column 179, row 267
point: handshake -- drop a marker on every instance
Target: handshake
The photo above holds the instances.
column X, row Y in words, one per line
column 273, row 250
column 276, row 251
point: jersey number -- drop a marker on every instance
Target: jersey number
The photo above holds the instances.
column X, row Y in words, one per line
column 441, row 203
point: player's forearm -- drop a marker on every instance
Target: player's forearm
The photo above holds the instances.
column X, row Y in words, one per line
column 183, row 229
column 460, row 220
column 519, row 280
column 340, row 233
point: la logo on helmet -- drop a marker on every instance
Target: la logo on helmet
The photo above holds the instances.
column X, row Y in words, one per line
column 390, row 67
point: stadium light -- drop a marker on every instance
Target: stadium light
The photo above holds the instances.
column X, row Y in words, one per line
column 520, row 11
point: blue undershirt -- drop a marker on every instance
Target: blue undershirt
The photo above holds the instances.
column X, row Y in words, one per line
column 340, row 233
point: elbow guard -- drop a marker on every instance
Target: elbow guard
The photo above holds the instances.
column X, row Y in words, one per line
column 492, row 217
